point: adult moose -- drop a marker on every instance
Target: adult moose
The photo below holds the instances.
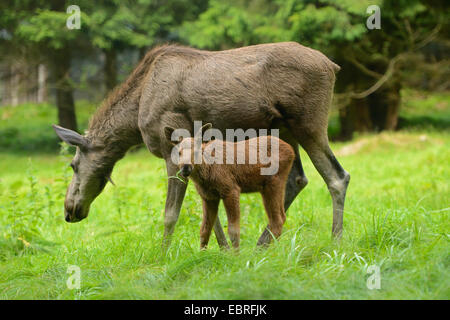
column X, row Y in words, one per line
column 281, row 85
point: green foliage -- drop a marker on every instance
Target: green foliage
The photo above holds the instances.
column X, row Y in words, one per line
column 232, row 23
column 222, row 25
column 135, row 24
column 105, row 24
column 333, row 24
column 337, row 28
column 27, row 128
column 114, row 24
column 49, row 27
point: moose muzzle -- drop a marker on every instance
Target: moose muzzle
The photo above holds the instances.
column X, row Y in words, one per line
column 74, row 213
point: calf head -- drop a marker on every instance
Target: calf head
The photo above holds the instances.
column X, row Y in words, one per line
column 189, row 150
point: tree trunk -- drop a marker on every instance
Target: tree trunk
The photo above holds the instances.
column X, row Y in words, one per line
column 385, row 106
column 355, row 117
column 42, row 83
column 15, row 84
column 110, row 69
column 63, row 88
column 376, row 112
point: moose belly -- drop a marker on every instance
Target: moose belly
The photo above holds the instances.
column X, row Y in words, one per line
column 251, row 188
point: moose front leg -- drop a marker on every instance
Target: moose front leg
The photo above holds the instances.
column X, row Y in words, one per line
column 174, row 199
column 220, row 235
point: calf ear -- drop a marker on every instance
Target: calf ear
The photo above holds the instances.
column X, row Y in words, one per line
column 206, row 127
column 71, row 137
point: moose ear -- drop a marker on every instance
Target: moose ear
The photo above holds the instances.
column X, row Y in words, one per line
column 71, row 137
column 168, row 134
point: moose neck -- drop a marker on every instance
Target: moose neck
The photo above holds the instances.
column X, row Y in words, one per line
column 114, row 127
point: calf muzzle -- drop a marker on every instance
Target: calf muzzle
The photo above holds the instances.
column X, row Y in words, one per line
column 186, row 170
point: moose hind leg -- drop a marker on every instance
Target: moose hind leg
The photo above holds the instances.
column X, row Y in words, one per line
column 336, row 178
column 297, row 180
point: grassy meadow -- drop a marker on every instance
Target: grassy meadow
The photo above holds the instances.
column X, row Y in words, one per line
column 396, row 218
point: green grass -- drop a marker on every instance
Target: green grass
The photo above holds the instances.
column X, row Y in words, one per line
column 397, row 217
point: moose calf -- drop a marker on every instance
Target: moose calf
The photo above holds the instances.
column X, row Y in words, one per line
column 222, row 176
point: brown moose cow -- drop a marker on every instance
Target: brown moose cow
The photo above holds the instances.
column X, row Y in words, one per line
column 218, row 175
column 279, row 85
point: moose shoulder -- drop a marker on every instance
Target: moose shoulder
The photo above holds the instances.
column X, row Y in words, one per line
column 281, row 85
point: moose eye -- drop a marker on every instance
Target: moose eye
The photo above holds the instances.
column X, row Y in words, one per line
column 73, row 167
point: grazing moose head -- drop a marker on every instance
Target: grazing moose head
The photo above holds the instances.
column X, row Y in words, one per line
column 91, row 172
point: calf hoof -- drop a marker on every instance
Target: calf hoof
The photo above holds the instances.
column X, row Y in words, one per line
column 264, row 239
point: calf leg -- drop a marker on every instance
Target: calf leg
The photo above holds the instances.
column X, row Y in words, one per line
column 273, row 203
column 210, row 209
column 296, row 182
column 231, row 204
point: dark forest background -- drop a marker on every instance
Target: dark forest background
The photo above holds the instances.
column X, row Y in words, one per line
column 41, row 60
